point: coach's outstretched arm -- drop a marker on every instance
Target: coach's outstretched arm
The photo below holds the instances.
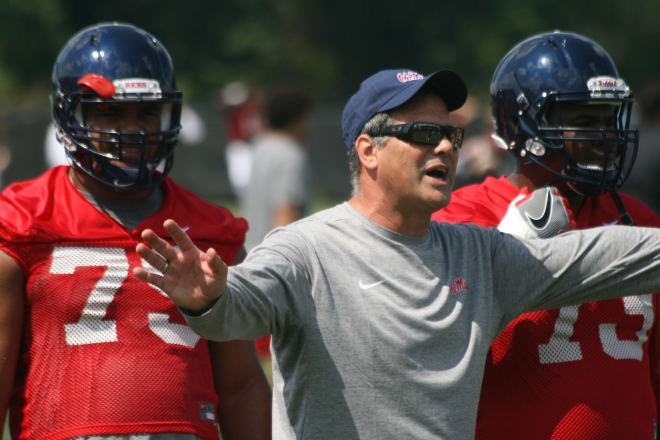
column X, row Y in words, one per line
column 191, row 278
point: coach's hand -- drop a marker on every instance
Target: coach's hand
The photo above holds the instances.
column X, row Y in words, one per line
column 541, row 214
column 191, row 278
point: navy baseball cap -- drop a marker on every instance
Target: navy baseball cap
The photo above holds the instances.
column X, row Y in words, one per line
column 391, row 88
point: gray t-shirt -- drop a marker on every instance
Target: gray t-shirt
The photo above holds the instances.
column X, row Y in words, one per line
column 377, row 335
column 279, row 175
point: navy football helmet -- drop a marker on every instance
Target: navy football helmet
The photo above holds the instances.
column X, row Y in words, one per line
column 116, row 64
column 540, row 74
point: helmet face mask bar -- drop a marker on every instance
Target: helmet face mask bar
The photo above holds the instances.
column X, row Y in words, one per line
column 541, row 76
column 616, row 143
column 116, row 65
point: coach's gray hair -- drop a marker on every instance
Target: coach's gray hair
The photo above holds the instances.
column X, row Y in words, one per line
column 373, row 125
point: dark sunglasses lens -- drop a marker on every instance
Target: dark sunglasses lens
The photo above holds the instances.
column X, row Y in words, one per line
column 433, row 135
column 427, row 135
column 455, row 136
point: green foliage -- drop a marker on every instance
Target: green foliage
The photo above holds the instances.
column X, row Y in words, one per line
column 329, row 47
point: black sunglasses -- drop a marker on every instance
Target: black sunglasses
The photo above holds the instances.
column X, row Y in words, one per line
column 424, row 133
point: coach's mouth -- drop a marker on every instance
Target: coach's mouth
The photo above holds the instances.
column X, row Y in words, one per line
column 438, row 173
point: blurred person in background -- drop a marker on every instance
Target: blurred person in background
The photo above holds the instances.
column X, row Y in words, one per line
column 278, row 189
column 86, row 348
column 585, row 371
column 480, row 156
column 54, row 154
column 243, row 122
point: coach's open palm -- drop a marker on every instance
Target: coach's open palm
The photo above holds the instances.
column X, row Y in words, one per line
column 193, row 279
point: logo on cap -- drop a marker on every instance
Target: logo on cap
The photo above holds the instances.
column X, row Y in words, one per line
column 408, row 76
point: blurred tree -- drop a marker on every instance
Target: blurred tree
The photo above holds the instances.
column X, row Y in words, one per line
column 29, row 35
column 327, row 46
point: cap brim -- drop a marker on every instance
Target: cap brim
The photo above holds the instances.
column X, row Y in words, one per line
column 450, row 87
column 447, row 84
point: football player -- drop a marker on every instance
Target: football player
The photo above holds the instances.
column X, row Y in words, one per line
column 585, row 371
column 87, row 349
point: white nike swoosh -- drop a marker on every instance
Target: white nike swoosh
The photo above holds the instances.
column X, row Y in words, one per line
column 364, row 286
column 121, row 185
column 542, row 220
column 185, row 228
column 610, row 223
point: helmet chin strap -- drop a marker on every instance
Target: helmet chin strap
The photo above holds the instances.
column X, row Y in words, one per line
column 626, row 219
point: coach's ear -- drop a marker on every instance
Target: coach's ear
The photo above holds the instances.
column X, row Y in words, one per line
column 366, row 152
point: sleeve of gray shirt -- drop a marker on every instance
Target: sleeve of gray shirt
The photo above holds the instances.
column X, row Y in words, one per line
column 576, row 267
column 270, row 289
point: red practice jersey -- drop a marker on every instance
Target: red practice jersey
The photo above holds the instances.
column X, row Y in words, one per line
column 103, row 352
column 584, row 372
